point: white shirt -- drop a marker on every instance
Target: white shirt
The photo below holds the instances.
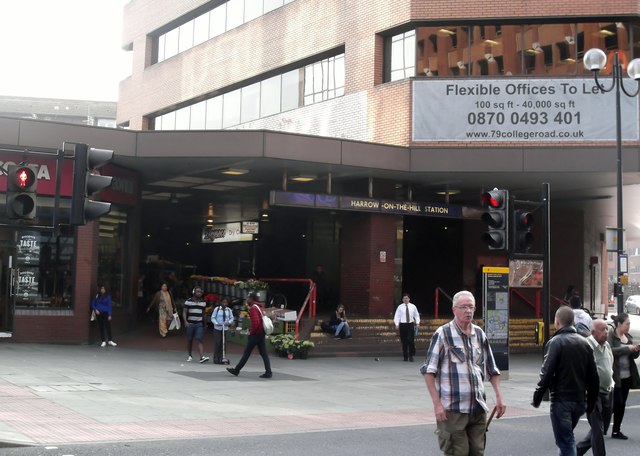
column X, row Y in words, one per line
column 401, row 314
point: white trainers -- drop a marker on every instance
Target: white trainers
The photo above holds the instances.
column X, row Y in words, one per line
column 204, row 359
column 112, row 343
column 103, row 344
column 189, row 358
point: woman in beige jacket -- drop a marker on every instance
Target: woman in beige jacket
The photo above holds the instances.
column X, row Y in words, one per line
column 164, row 302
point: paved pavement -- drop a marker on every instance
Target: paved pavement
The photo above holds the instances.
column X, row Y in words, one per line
column 145, row 390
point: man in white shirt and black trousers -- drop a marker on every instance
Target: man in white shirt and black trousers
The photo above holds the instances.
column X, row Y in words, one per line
column 406, row 320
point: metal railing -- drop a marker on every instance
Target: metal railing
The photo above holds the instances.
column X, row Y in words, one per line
column 437, row 302
column 309, row 300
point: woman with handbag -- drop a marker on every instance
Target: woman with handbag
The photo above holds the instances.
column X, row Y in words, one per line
column 625, row 371
column 101, row 305
column 164, row 302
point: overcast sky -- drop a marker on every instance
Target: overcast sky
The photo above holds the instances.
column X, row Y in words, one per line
column 62, row 49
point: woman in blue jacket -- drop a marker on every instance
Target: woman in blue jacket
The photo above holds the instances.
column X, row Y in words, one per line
column 102, row 306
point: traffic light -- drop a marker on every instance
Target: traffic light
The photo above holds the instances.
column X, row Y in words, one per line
column 496, row 204
column 523, row 237
column 21, row 192
column 86, row 182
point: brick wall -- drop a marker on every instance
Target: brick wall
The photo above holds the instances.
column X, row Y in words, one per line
column 298, row 31
column 366, row 283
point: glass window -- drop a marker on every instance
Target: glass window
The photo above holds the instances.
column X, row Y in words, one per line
column 44, row 265
column 218, row 20
column 161, row 44
column 182, row 118
column 250, row 102
column 185, row 32
column 157, row 123
column 231, row 109
column 112, row 230
column 169, row 121
column 214, row 113
column 291, row 90
column 171, row 44
column 235, row 13
column 270, row 5
column 252, row 9
column 201, row 29
column 270, row 96
column 198, row 114
column 403, row 55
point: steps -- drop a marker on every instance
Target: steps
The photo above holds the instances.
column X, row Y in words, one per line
column 378, row 337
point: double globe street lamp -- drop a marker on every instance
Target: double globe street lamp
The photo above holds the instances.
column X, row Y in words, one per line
column 595, row 60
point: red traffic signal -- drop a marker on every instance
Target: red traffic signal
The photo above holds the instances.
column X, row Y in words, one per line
column 24, row 177
column 21, row 192
column 496, row 203
column 495, row 198
column 523, row 222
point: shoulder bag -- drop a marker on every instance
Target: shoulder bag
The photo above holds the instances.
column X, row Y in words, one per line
column 267, row 324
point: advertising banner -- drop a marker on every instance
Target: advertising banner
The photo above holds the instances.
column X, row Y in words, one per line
column 520, row 110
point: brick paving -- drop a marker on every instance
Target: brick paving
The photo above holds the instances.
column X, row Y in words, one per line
column 144, row 390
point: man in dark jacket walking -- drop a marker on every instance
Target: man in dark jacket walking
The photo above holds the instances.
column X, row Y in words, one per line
column 569, row 372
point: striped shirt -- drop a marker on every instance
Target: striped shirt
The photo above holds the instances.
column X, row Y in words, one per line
column 460, row 363
column 195, row 310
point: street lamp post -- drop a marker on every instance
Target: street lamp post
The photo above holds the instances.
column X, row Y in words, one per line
column 595, row 60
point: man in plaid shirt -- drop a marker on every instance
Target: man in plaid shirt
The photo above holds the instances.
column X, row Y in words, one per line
column 460, row 357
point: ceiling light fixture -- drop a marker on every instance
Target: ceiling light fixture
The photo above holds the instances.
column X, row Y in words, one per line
column 304, row 178
column 234, row 171
column 447, row 32
column 491, row 42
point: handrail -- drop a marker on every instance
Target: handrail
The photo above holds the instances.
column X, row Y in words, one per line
column 310, row 298
column 438, row 291
column 536, row 306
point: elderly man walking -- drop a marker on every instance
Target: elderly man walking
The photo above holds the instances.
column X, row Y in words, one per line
column 569, row 373
column 460, row 357
column 601, row 416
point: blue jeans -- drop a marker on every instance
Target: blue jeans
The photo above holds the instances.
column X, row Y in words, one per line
column 338, row 329
column 564, row 418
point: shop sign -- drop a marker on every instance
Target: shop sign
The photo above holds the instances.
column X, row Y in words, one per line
column 352, row 203
column 27, row 286
column 225, row 232
column 521, row 110
column 250, row 227
column 28, row 248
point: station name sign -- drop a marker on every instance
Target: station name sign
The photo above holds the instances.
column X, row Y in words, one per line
column 352, row 203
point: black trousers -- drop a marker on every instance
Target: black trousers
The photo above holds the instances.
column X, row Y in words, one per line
column 599, row 423
column 407, row 337
column 620, row 394
column 105, row 326
column 255, row 339
column 217, row 346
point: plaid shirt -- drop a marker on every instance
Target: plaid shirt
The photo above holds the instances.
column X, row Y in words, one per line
column 460, row 377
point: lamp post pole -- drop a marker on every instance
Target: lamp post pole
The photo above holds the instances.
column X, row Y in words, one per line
column 595, row 60
column 617, row 76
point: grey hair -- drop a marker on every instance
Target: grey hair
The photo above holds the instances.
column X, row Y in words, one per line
column 461, row 294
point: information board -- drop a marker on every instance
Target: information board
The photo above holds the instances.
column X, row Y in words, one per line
column 496, row 312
